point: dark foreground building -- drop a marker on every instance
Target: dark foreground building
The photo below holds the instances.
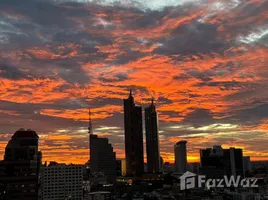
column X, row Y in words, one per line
column 19, row 171
column 152, row 139
column 217, row 162
column 133, row 137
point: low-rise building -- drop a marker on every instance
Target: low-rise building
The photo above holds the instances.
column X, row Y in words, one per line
column 103, row 195
column 61, row 181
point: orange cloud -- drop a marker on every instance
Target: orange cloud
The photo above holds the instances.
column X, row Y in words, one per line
column 82, row 114
column 31, row 91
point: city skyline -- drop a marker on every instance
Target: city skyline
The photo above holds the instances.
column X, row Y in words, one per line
column 23, row 175
column 140, row 118
column 205, row 63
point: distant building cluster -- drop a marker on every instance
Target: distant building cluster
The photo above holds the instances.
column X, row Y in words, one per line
column 23, row 176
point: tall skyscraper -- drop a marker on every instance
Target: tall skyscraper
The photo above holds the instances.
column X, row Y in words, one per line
column 133, row 137
column 180, row 157
column 152, row 139
column 102, row 158
column 19, row 175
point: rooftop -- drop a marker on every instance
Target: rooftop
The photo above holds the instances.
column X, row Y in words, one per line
column 182, row 142
column 22, row 133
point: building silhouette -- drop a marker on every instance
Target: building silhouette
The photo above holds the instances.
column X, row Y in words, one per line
column 61, row 181
column 161, row 164
column 102, row 158
column 180, row 157
column 152, row 139
column 217, row 162
column 133, row 137
column 102, row 155
column 19, row 171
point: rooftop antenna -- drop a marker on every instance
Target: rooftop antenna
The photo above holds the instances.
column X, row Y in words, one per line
column 90, row 130
column 232, row 139
column 152, row 100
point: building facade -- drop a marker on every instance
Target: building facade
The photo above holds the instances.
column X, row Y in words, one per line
column 102, row 158
column 103, row 195
column 19, row 171
column 133, row 138
column 124, row 167
column 152, row 139
column 61, row 181
column 180, row 157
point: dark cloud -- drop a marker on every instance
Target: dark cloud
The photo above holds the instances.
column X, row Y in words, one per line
column 201, row 75
column 12, row 72
column 251, row 116
column 193, row 39
column 199, row 117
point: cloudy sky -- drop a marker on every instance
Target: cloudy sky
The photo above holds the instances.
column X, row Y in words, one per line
column 204, row 61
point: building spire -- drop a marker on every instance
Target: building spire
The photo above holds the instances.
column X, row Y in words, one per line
column 152, row 100
column 152, row 105
column 130, row 97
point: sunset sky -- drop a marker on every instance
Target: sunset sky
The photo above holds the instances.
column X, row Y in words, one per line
column 204, row 62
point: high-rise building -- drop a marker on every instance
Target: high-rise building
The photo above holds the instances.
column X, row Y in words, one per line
column 102, row 158
column 180, row 157
column 102, row 155
column 61, row 181
column 236, row 160
column 133, row 137
column 152, row 139
column 19, row 175
column 217, row 162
